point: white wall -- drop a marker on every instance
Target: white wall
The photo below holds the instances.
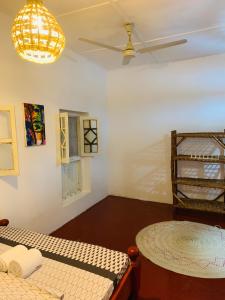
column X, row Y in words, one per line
column 145, row 104
column 33, row 199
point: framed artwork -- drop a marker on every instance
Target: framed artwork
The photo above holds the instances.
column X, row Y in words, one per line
column 34, row 124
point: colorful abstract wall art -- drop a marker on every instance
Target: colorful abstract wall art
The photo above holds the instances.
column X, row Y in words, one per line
column 34, row 124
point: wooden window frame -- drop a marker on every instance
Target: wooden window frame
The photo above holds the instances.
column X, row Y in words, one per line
column 10, row 141
column 82, row 136
column 66, row 159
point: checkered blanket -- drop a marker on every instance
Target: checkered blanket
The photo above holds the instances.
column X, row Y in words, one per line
column 79, row 270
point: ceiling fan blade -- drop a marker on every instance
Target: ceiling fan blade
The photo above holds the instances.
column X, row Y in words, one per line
column 162, row 46
column 101, row 45
column 127, row 59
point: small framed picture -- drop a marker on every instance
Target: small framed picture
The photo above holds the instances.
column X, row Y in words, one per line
column 34, row 124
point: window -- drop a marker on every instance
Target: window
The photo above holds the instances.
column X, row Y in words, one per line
column 8, row 142
column 76, row 133
column 89, row 136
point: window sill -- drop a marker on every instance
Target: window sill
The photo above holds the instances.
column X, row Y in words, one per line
column 74, row 198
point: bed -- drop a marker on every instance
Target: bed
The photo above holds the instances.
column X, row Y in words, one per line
column 75, row 270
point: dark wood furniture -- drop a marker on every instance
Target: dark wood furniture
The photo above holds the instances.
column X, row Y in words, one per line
column 130, row 282
column 4, row 222
column 180, row 199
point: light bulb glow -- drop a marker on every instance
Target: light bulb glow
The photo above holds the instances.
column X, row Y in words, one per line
column 36, row 34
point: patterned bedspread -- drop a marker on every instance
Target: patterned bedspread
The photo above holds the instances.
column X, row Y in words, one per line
column 78, row 270
column 12, row 288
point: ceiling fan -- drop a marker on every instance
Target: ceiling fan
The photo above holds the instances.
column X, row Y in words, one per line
column 129, row 51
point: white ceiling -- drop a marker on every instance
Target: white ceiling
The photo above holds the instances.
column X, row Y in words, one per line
column 201, row 22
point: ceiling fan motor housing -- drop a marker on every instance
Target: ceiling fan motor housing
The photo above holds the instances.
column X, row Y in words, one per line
column 129, row 52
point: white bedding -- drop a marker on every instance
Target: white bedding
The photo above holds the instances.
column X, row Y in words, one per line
column 12, row 288
column 75, row 283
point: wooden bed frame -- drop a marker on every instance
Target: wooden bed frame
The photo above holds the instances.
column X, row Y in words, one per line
column 129, row 284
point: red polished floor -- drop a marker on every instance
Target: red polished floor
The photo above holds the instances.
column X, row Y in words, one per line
column 114, row 223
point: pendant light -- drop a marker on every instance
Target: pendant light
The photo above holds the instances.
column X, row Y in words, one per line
column 36, row 34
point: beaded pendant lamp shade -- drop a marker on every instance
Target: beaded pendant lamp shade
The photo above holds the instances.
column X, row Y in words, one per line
column 36, row 34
